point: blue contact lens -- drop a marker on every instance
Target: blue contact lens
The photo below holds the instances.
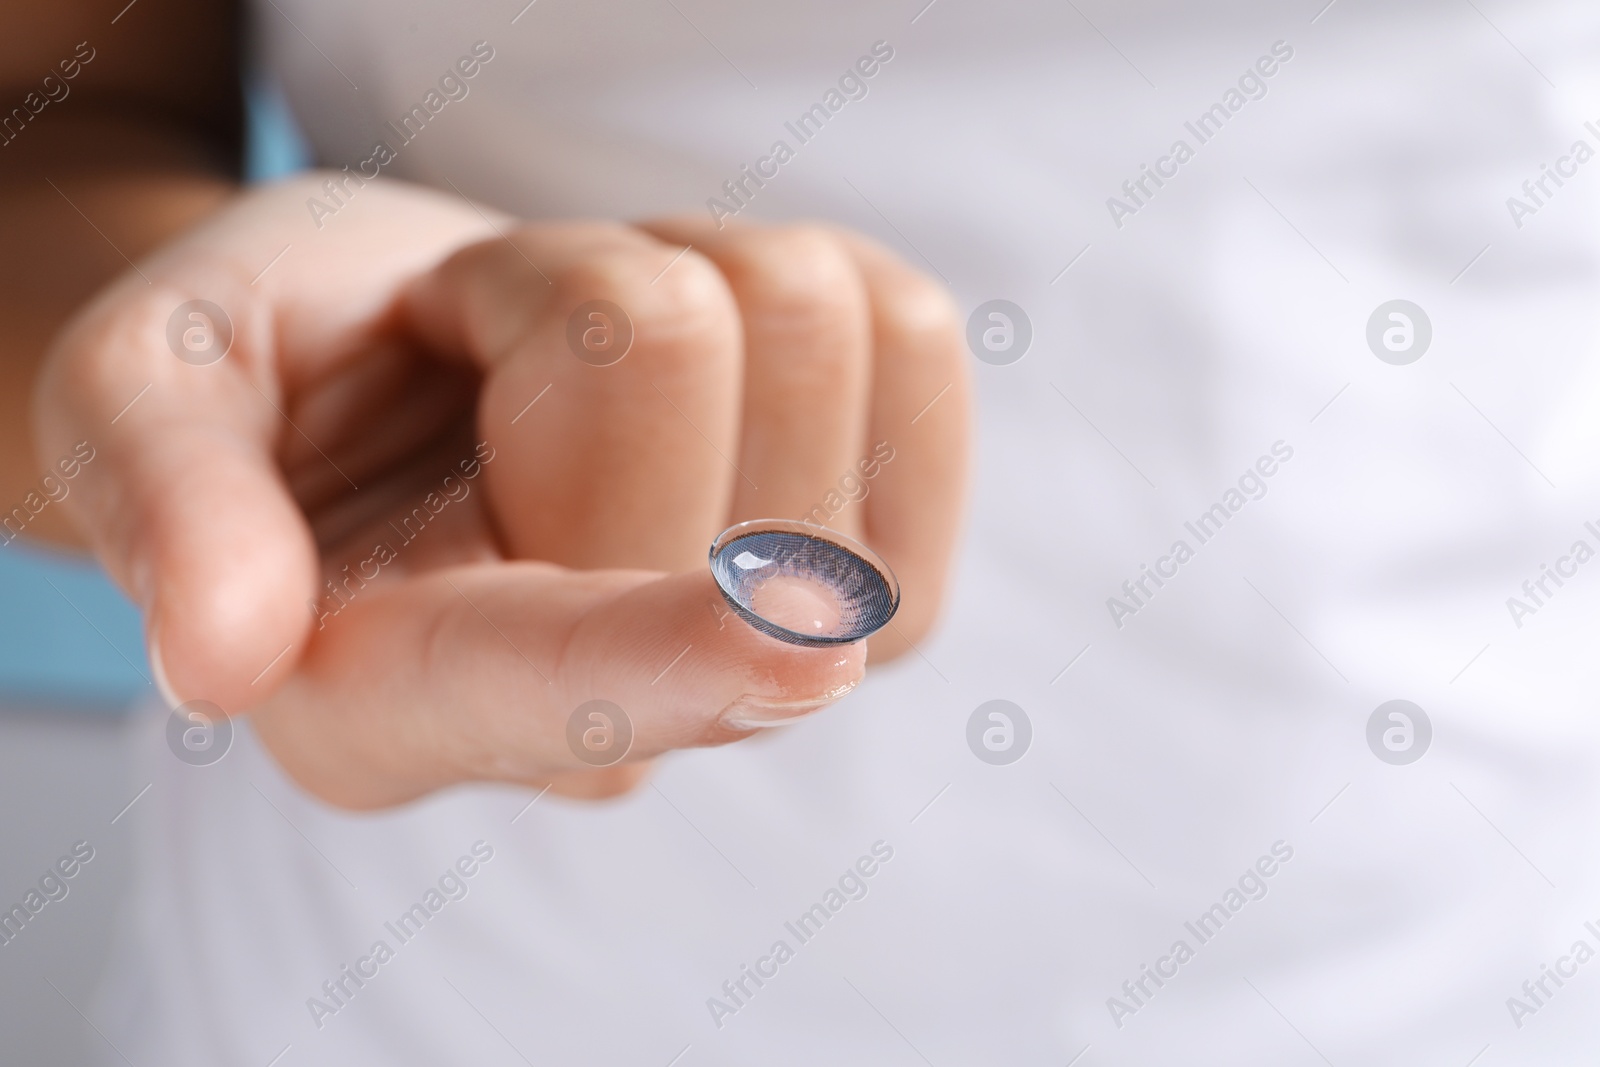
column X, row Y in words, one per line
column 803, row 584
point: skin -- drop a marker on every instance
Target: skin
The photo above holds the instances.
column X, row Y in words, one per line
column 388, row 364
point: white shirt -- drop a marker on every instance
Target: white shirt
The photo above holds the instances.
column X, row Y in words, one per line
column 1177, row 339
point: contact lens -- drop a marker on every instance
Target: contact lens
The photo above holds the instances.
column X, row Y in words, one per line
column 803, row 584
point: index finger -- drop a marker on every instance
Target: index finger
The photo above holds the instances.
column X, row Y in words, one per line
column 184, row 501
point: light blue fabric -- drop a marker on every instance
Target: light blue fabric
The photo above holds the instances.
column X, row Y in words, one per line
column 69, row 639
column 273, row 145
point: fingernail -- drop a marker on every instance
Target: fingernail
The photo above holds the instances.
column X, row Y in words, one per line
column 158, row 670
column 756, row 713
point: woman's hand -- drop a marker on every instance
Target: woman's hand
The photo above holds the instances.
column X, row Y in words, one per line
column 414, row 518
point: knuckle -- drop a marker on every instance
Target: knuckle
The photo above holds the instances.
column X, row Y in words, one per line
column 800, row 274
column 682, row 305
column 465, row 263
column 488, row 269
column 918, row 310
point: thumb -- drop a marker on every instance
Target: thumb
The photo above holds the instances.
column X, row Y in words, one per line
column 181, row 495
column 695, row 671
column 522, row 672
